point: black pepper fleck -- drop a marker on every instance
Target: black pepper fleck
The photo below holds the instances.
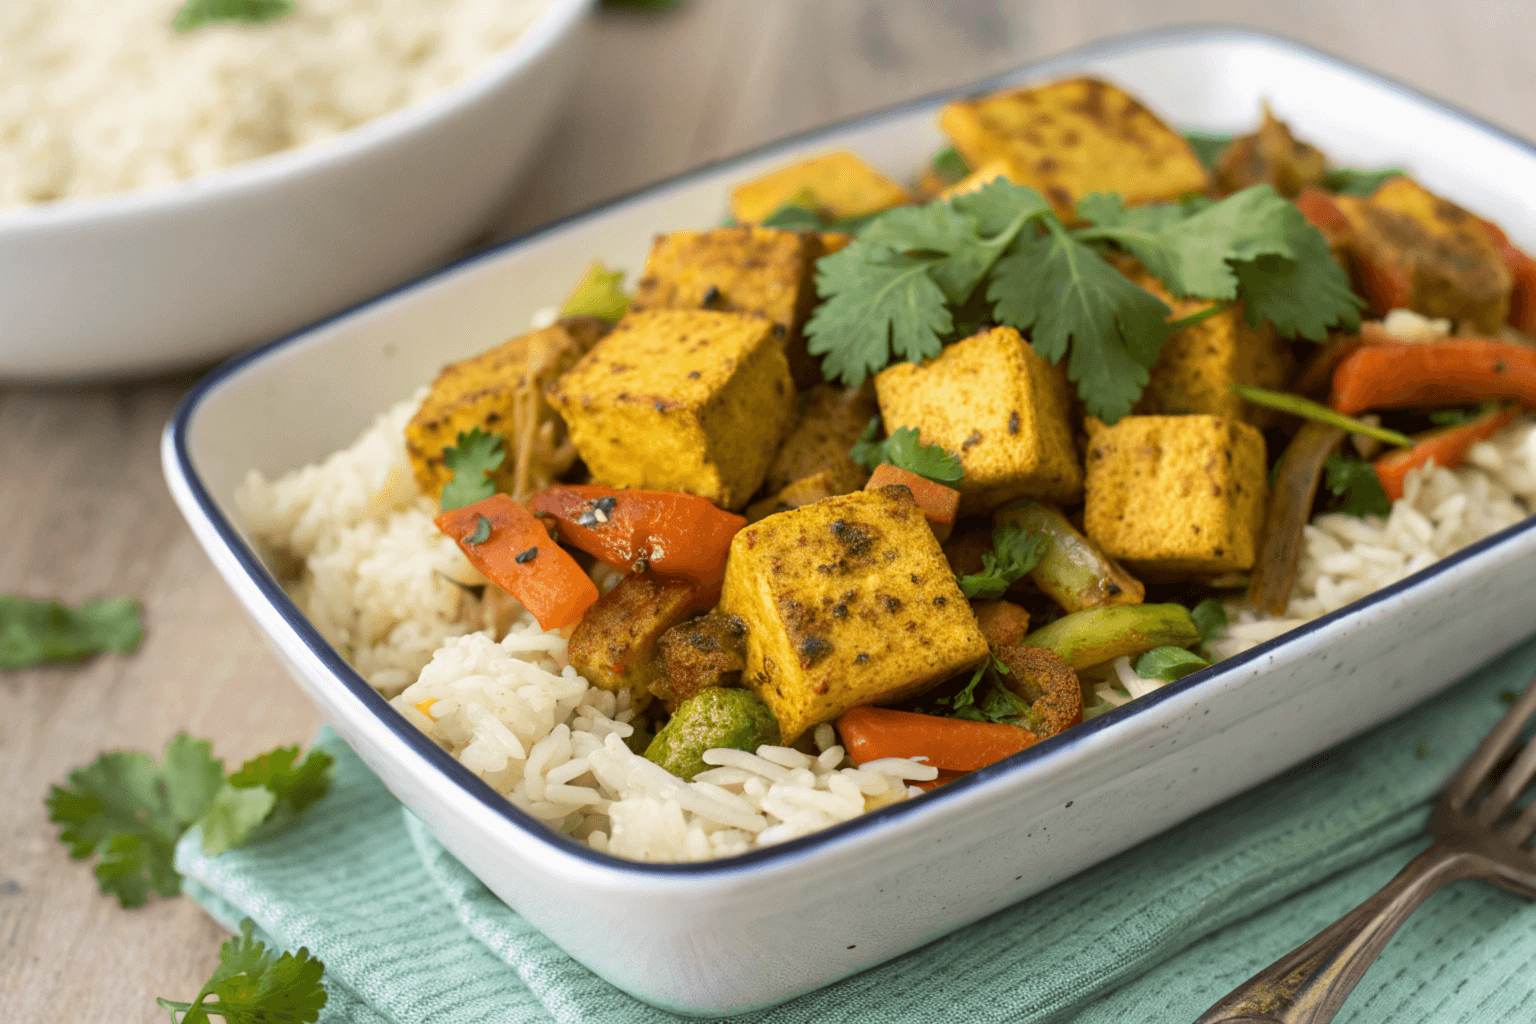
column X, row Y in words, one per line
column 861, row 659
column 605, row 504
column 1013, row 422
column 524, row 557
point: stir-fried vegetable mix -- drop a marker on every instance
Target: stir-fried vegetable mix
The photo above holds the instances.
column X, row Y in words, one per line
column 953, row 466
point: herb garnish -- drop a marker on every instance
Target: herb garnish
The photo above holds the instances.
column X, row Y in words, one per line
column 1209, row 617
column 903, row 288
column 1207, row 145
column 131, row 811
column 950, row 166
column 46, row 632
column 252, row 985
column 1355, row 487
column 472, row 461
column 196, row 13
column 1168, row 664
column 1349, row 181
column 1015, row 552
column 904, row 450
column 997, row 702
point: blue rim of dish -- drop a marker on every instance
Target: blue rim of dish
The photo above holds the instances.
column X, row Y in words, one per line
column 257, row 572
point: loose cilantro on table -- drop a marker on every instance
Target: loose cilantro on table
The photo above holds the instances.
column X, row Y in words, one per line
column 904, row 450
column 471, row 461
column 1015, row 551
column 907, row 285
column 131, row 811
column 196, row 13
column 1355, row 487
column 46, row 632
column 253, row 985
column 1169, row 664
column 1350, row 181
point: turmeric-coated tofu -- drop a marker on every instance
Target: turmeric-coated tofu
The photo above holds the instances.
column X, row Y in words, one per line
column 1418, row 250
column 839, row 184
column 1071, row 138
column 848, row 601
column 614, row 645
column 502, row 392
column 1176, row 496
column 1198, row 365
column 681, row 400
column 1000, row 407
column 739, row 270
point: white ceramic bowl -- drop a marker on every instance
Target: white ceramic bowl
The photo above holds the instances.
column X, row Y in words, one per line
column 728, row 936
column 188, row 273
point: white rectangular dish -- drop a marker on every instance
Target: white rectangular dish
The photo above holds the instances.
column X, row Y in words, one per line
column 694, row 938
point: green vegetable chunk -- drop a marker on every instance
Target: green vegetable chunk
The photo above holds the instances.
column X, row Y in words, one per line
column 1169, row 664
column 196, row 13
column 47, row 632
column 253, row 984
column 718, row 717
column 472, row 461
column 1071, row 571
column 1089, row 638
column 599, row 293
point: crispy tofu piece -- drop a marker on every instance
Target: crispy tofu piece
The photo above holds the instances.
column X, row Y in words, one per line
column 831, row 420
column 1000, row 407
column 1071, row 138
column 1410, row 244
column 842, row 185
column 1174, row 496
column 502, row 392
column 1198, row 365
column 614, row 645
column 1270, row 155
column 848, row 601
column 698, row 654
column 681, row 400
column 739, row 270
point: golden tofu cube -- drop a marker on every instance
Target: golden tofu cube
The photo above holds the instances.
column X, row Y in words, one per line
column 848, row 601
column 1173, row 496
column 1198, row 365
column 1068, row 139
column 841, row 184
column 1000, row 407
column 739, row 270
column 681, row 400
column 502, row 392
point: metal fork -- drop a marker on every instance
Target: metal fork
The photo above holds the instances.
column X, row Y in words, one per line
column 1479, row 833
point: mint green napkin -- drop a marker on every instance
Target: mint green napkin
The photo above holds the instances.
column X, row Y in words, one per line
column 1160, row 932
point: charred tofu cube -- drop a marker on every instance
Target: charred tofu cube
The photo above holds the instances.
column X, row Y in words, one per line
column 1068, row 139
column 1000, row 407
column 739, row 270
column 847, row 601
column 1175, row 496
column 1413, row 249
column 502, row 392
column 837, row 185
column 1198, row 365
column 832, row 419
column 614, row 645
column 681, row 400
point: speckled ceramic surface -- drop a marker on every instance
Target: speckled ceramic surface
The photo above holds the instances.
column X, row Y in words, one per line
column 727, row 936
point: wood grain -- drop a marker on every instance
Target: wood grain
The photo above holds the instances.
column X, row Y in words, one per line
column 80, row 483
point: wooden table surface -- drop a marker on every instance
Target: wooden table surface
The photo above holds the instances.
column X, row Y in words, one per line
column 80, row 479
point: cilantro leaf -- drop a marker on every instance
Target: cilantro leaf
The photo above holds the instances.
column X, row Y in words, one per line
column 131, row 812
column 1350, row 181
column 1168, row 664
column 1015, row 551
column 251, row 985
column 949, row 165
column 869, row 451
column 794, row 217
column 1210, row 618
column 997, row 703
column 1301, row 296
column 1355, row 487
column 599, row 293
column 904, row 450
column 472, row 461
column 1068, row 296
column 196, row 13
column 45, row 632
column 877, row 301
column 1207, row 145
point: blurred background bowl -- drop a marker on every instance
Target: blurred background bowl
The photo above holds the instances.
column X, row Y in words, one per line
column 151, row 281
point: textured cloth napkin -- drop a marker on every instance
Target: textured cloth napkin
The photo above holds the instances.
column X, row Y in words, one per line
column 1159, row 933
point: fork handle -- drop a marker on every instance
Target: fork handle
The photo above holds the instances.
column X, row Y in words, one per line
column 1311, row 982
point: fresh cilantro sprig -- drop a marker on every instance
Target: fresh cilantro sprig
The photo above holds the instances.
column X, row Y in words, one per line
column 472, row 461
column 131, row 811
column 47, row 632
column 253, row 985
column 907, row 285
column 1169, row 664
column 904, row 450
column 996, row 702
column 1355, row 487
column 196, row 13
column 1015, row 551
column 1210, row 618
column 1207, row 145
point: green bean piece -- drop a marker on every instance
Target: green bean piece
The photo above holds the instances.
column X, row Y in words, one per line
column 1073, row 573
column 1098, row 635
column 718, row 717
